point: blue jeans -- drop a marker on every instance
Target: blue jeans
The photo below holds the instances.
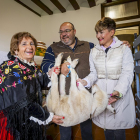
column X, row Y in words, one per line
column 118, row 134
column 86, row 131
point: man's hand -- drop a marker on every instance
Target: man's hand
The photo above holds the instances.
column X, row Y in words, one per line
column 64, row 68
column 54, row 69
column 126, row 43
column 83, row 82
column 57, row 119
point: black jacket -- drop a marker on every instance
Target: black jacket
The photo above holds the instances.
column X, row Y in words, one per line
column 21, row 97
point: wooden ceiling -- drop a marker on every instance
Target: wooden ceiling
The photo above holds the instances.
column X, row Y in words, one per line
column 42, row 7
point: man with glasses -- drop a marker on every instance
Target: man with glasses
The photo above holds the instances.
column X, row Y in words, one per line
column 70, row 45
column 73, row 47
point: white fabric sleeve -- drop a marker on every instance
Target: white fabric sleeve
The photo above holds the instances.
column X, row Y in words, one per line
column 92, row 77
column 49, row 119
column 126, row 76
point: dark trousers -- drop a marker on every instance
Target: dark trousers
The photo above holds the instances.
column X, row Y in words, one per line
column 115, row 134
column 86, row 131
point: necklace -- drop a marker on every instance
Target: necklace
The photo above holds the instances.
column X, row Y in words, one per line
column 25, row 61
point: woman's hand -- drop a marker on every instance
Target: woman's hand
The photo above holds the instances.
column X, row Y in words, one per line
column 114, row 97
column 54, row 69
column 64, row 68
column 83, row 82
column 57, row 119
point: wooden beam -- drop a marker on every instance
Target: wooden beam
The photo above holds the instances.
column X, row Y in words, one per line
column 18, row 1
column 58, row 5
column 42, row 6
column 108, row 1
column 91, row 3
column 74, row 4
column 102, row 11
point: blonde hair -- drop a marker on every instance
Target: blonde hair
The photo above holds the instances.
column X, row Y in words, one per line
column 105, row 23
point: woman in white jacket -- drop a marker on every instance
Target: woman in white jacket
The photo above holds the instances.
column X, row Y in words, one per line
column 111, row 66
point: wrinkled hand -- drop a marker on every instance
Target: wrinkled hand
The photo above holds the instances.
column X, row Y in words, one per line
column 57, row 119
column 83, row 82
column 127, row 43
column 64, row 68
column 54, row 69
column 113, row 99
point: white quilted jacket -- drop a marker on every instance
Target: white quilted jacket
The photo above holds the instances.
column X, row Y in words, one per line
column 114, row 71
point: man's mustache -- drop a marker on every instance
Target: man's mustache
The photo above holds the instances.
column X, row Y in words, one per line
column 64, row 36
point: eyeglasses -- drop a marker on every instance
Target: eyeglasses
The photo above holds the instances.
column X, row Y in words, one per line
column 65, row 31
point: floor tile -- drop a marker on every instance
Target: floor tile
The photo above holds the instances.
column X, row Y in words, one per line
column 94, row 126
column 76, row 131
column 53, row 128
column 135, row 130
column 97, row 132
column 130, row 137
column 77, row 138
column 57, row 137
column 78, row 134
column 52, row 132
column 128, row 131
column 136, row 137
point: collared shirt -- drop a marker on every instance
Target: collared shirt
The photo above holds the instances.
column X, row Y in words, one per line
column 74, row 45
column 109, row 46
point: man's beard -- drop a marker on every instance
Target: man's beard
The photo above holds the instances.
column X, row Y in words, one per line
column 70, row 41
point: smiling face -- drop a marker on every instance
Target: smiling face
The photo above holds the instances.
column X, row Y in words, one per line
column 26, row 49
column 105, row 29
column 105, row 37
column 67, row 34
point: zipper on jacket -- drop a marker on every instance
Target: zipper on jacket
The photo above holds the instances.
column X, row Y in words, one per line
column 106, row 91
